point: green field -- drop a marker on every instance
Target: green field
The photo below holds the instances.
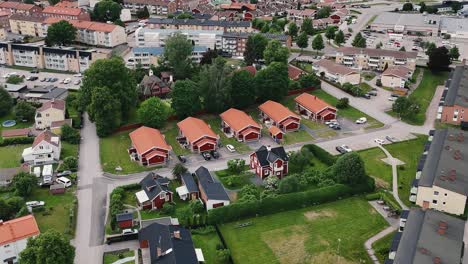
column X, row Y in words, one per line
column 375, row 167
column 68, row 150
column 327, row 233
column 110, row 258
column 10, row 156
column 215, row 124
column 207, row 243
column 382, row 246
column 171, row 131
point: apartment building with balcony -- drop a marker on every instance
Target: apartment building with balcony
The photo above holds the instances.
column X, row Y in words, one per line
column 146, row 37
column 374, row 59
column 66, row 13
column 162, row 8
column 233, row 43
column 147, row 56
column 455, row 101
column 28, row 25
column 15, row 7
column 200, row 24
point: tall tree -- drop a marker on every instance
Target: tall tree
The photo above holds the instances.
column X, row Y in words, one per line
column 317, row 43
column 272, row 82
column 24, row 111
column 422, row 8
column 292, row 30
column 439, row 59
column 242, row 92
column 185, row 98
column 106, row 10
column 454, row 53
column 429, row 46
column 61, row 33
column 48, row 247
column 307, row 26
column 24, row 183
column 177, row 52
column 359, row 41
column 349, row 169
column 254, row 48
column 275, row 52
column 6, row 102
column 405, row 107
column 209, row 56
column 153, row 112
column 407, row 7
column 330, row 32
column 339, row 38
column 302, row 41
column 104, row 110
column 323, row 12
column 143, row 13
column 214, row 85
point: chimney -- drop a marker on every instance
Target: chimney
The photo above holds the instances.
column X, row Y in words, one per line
column 1, row 222
column 177, row 234
column 158, row 252
column 268, row 147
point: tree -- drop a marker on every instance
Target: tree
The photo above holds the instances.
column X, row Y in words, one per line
column 454, row 53
column 402, row 48
column 342, row 103
column 339, row 38
column 70, row 163
column 24, row 183
column 405, row 107
column 249, row 189
column 456, row 6
column 307, row 26
column 70, row 134
column 143, row 13
column 289, row 184
column 106, row 10
column 14, row 79
column 407, row 7
column 51, row 2
column 236, row 166
column 330, row 32
column 242, row 92
column 292, row 30
column 61, row 33
column 6, row 102
column 209, row 56
column 317, row 43
column 323, row 12
column 422, row 8
column 178, row 170
column 439, row 59
column 177, row 52
column 104, row 110
column 309, row 80
column 196, row 206
column 48, row 247
column 274, row 51
column 24, row 111
column 11, row 207
column 185, row 98
column 153, row 112
column 349, row 169
column 302, row 41
column 429, row 46
column 299, row 160
column 272, row 82
column 254, row 48
column 214, row 86
column 359, row 41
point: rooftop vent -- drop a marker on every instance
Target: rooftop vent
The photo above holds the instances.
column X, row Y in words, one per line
column 436, row 260
column 461, row 136
column 443, row 226
column 457, row 155
column 424, row 251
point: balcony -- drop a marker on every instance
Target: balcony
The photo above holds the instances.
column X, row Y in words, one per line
column 399, row 62
column 348, row 58
column 348, row 62
column 373, row 64
column 374, row 60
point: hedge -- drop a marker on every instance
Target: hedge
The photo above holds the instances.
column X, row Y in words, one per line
column 321, row 154
column 285, row 202
column 16, row 141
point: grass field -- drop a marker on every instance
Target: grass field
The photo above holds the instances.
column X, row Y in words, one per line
column 10, row 116
column 207, row 243
column 110, row 258
column 309, row 235
column 215, row 124
column 382, row 246
column 171, row 131
column 68, row 150
column 10, row 156
column 376, row 168
column 368, row 76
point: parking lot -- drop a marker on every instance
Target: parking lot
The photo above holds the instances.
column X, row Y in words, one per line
column 43, row 78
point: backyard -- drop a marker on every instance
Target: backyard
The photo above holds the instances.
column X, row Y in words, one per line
column 327, row 233
column 234, row 181
column 110, row 258
column 208, row 243
column 10, row 116
column 10, row 156
column 215, row 124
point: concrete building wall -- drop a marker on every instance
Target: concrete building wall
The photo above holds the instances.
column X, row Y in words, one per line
column 392, row 81
column 454, row 114
column 441, row 199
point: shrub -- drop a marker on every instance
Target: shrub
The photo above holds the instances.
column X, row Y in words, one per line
column 205, row 230
column 70, row 163
column 70, row 134
column 378, row 82
column 236, row 166
column 16, row 141
column 342, row 103
column 168, row 208
column 373, row 196
column 14, row 79
column 321, row 154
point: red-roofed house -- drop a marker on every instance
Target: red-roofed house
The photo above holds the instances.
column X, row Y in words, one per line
column 18, row 7
column 238, row 124
column 314, row 108
column 50, row 111
column 66, row 13
column 280, row 116
column 149, row 146
column 45, row 149
column 14, row 235
column 294, row 72
column 197, row 135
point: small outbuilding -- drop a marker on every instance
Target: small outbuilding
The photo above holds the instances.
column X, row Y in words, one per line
column 124, row 220
column 58, row 188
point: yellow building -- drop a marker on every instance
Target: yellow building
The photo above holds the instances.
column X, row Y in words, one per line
column 28, row 25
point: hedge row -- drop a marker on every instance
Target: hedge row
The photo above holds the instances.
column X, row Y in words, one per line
column 321, row 154
column 286, row 202
column 16, row 141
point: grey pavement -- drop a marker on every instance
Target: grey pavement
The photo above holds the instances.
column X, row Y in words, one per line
column 393, row 162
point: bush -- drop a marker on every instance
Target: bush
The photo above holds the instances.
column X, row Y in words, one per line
column 373, row 196
column 205, row 230
column 70, row 163
column 321, row 154
column 168, row 208
column 16, row 141
column 378, row 82
column 236, row 166
column 70, row 134
column 14, row 79
column 342, row 103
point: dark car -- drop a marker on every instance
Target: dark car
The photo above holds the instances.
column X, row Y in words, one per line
column 336, row 127
column 214, row 154
column 206, row 155
column 341, row 150
column 33, row 78
column 34, row 71
column 373, row 93
column 391, row 139
column 367, row 96
column 182, row 158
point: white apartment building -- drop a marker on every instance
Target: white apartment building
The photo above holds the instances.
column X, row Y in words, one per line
column 147, row 56
column 14, row 237
column 146, row 37
column 374, row 59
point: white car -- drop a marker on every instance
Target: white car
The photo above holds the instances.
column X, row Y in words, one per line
column 78, row 75
column 361, row 120
column 379, row 141
column 35, row 203
column 129, row 231
column 67, row 81
column 77, row 82
column 333, row 121
column 346, row 148
column 230, row 148
column 392, row 98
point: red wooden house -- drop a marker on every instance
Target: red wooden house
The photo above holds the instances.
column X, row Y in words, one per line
column 124, row 220
column 276, row 133
column 149, row 147
column 196, row 135
column 155, row 192
column 314, row 108
column 268, row 161
column 238, row 124
column 279, row 116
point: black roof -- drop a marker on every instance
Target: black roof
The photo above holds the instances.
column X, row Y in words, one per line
column 212, row 188
column 404, row 214
column 280, row 37
column 388, row 261
column 56, row 93
column 154, row 184
column 266, row 157
column 445, row 4
column 395, row 241
column 124, row 217
column 458, row 88
column 189, row 182
column 173, row 250
column 200, row 22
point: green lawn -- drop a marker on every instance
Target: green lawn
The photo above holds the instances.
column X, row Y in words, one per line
column 376, row 168
column 382, row 246
column 368, row 76
column 68, row 150
column 19, row 124
column 113, row 153
column 309, row 235
column 215, row 124
column 171, row 131
column 409, row 152
column 207, row 243
column 10, row 156
column 110, row 258
column 296, row 137
column 234, row 181
column 365, row 86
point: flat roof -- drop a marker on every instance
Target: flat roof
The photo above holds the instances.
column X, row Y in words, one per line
column 419, row 20
column 454, row 24
column 457, row 93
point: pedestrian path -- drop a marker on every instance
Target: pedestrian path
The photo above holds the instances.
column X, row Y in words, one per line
column 394, row 162
column 125, row 260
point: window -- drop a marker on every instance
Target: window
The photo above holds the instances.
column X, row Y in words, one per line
column 445, row 194
column 436, row 193
column 443, row 203
column 163, row 195
column 434, row 201
column 6, row 246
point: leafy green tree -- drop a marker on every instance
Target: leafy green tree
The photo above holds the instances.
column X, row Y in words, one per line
column 307, row 26
column 104, row 110
column 214, row 84
column 323, row 12
column 330, row 32
column 254, row 48
column 138, row 73
column 143, row 13
column 342, row 103
column 177, row 52
column 236, row 166
column 242, row 92
column 24, row 183
column 24, row 111
column 456, row 6
column 178, row 170
column 14, row 79
column 289, row 184
column 222, row 255
column 422, row 8
column 106, row 10
column 302, row 41
column 292, row 30
column 70, row 163
column 317, row 43
column 70, row 134
column 61, row 33
column 405, row 107
column 274, row 51
column 454, row 53
column 48, row 247
column 402, row 48
column 6, row 102
column 359, row 41
column 429, row 46
column 52, row 2
column 153, row 112
column 439, row 59
column 185, row 98
column 349, row 169
column 272, row 82
column 208, row 57
column 10, row 207
column 309, row 80
column 299, row 160
column 407, row 7
column 249, row 189
column 196, row 206
column 339, row 38
column 168, row 208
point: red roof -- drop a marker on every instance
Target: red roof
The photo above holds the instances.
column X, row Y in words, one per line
column 147, row 138
column 83, row 24
column 17, row 229
column 16, row 5
column 326, row 112
column 46, row 136
column 21, row 132
column 276, row 111
column 67, row 4
column 294, row 72
column 155, row 153
column 312, row 103
column 68, row 11
column 194, row 129
column 274, row 130
column 57, row 104
column 238, row 119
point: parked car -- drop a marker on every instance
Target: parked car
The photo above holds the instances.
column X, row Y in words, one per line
column 182, row 158
column 64, row 173
column 54, row 79
column 34, row 71
column 333, row 121
column 44, row 79
column 214, row 154
column 33, row 204
column 341, row 150
column 64, row 180
column 367, row 96
column 391, row 139
column 335, row 127
column 373, row 93
column 346, row 148
column 361, row 120
column 230, row 148
column 206, row 155
column 67, row 81
column 76, row 82
column 78, row 75
column 129, row 231
column 379, row 141
column 392, row 98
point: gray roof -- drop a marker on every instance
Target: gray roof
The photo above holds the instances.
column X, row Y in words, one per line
column 124, row 217
column 443, row 166
column 212, row 188
column 153, row 184
column 280, row 37
column 189, row 182
column 453, row 24
column 14, row 87
column 199, row 22
column 421, row 242
column 419, row 20
column 170, row 31
column 56, row 93
column 457, row 93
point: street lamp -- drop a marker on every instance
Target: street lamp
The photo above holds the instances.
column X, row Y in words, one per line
column 338, row 254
